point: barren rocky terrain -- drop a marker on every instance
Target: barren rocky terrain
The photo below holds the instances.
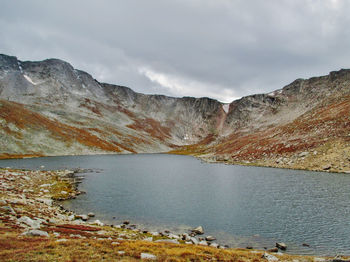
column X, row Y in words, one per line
column 49, row 108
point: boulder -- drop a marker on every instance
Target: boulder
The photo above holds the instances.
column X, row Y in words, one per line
column 303, row 154
column 216, row 245
column 98, row 222
column 340, row 259
column 281, row 246
column 326, row 167
column 210, row 238
column 185, row 237
column 198, row 230
column 203, row 243
column 269, row 257
column 29, row 222
column 194, row 240
column 173, row 236
column 36, row 232
column 61, row 240
column 9, row 209
column 273, row 250
column 170, row 241
column 82, row 217
column 148, row 256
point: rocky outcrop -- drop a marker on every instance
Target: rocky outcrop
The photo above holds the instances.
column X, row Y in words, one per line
column 50, row 108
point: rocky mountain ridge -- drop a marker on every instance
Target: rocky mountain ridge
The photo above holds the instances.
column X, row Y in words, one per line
column 50, row 108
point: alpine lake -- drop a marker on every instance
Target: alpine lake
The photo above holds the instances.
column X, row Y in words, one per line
column 241, row 206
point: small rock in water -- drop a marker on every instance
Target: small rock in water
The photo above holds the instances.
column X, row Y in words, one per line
column 148, row 256
column 36, row 232
column 281, row 246
column 91, row 214
column 273, row 250
column 305, row 245
column 84, row 217
column 126, row 222
column 198, row 230
column 210, row 238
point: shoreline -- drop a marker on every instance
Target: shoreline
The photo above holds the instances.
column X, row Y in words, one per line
column 31, row 212
column 208, row 159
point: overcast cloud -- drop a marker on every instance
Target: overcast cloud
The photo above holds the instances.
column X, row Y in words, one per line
column 222, row 49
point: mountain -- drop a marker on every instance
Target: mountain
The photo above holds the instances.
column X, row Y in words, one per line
column 49, row 108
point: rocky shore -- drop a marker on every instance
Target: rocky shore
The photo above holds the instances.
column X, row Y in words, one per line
column 34, row 226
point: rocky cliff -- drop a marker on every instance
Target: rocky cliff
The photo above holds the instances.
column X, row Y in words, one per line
column 50, row 108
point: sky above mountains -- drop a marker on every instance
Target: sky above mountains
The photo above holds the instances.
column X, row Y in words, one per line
column 222, row 49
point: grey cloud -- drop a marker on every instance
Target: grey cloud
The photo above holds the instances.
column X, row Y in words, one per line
column 206, row 47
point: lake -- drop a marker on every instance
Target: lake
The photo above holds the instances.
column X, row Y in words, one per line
column 241, row 206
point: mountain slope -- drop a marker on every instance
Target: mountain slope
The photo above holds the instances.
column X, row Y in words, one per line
column 50, row 108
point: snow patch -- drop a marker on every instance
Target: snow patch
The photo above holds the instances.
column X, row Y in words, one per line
column 226, row 107
column 29, row 80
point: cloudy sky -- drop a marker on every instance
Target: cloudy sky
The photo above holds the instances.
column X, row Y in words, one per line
column 223, row 49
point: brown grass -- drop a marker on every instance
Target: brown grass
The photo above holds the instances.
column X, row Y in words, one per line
column 24, row 118
column 13, row 248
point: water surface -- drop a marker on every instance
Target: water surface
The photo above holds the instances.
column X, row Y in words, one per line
column 240, row 205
